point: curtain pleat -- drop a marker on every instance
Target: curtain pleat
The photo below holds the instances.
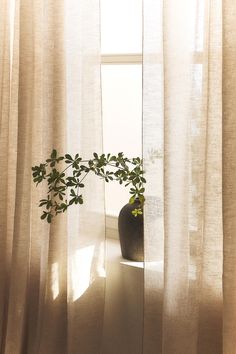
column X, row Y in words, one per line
column 182, row 80
column 229, row 174
column 51, row 277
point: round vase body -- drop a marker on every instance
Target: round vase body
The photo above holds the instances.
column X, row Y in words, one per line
column 131, row 233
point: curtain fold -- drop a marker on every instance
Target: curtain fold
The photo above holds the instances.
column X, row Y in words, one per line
column 49, row 98
column 229, row 171
column 182, row 80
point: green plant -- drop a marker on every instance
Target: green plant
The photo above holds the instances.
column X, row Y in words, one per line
column 61, row 183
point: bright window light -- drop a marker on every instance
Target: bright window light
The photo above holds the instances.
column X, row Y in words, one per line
column 122, row 98
column 121, row 36
column 122, row 122
column 55, row 280
column 81, row 263
column 121, row 26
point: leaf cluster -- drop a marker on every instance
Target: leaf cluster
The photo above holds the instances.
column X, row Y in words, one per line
column 64, row 188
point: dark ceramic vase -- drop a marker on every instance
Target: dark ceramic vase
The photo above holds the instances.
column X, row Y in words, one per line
column 131, row 233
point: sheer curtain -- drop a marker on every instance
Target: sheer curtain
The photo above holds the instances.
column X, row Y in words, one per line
column 229, row 174
column 182, row 136
column 51, row 278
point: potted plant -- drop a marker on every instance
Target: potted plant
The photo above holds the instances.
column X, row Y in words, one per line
column 65, row 176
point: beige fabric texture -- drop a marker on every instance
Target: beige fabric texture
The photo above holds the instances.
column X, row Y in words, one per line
column 229, row 175
column 186, row 311
column 51, row 278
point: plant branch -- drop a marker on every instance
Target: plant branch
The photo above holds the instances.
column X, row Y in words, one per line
column 58, row 203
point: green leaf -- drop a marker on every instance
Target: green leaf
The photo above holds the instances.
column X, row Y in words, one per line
column 71, row 201
column 70, row 184
column 80, row 199
column 84, row 168
column 72, row 192
column 44, row 215
column 131, row 200
column 49, row 218
column 141, row 199
column 49, row 204
column 54, row 154
column 68, row 157
column 75, row 165
column 137, row 212
column 136, row 180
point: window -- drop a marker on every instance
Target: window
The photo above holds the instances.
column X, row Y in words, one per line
column 121, row 43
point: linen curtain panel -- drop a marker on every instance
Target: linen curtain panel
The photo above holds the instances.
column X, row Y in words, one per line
column 189, row 57
column 51, row 278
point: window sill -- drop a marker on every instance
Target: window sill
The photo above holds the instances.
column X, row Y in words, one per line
column 114, row 251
